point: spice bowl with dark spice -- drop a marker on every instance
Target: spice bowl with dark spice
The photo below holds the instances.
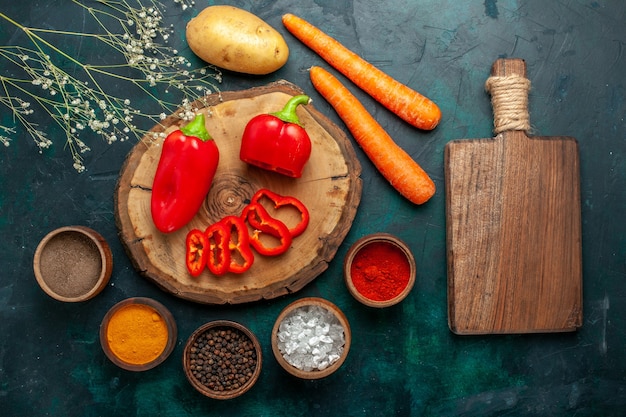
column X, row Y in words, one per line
column 222, row 359
column 138, row 334
column 379, row 270
column 73, row 263
column 311, row 338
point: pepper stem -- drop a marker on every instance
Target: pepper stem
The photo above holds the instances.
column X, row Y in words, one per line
column 197, row 128
column 288, row 113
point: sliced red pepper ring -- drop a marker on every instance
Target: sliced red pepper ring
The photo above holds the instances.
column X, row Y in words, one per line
column 196, row 252
column 263, row 223
column 240, row 253
column 218, row 258
column 283, row 201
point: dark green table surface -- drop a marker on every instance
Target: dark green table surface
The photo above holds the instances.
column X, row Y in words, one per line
column 404, row 360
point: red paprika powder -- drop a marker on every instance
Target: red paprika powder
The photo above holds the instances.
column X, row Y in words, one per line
column 380, row 271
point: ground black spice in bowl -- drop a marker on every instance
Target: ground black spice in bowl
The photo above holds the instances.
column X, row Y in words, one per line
column 222, row 359
column 71, row 264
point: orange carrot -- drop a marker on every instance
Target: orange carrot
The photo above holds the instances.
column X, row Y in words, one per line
column 404, row 174
column 408, row 104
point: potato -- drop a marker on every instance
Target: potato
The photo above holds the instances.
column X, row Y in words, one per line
column 236, row 40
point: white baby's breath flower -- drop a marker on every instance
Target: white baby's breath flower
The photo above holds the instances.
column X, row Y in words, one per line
column 76, row 104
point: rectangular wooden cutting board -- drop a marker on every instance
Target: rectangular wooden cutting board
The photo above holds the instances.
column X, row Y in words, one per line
column 513, row 227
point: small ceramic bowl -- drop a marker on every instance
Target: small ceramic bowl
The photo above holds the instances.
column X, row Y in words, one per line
column 316, row 362
column 391, row 267
column 138, row 334
column 73, row 263
column 222, row 359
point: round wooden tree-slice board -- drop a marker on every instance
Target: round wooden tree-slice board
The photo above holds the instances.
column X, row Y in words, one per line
column 330, row 187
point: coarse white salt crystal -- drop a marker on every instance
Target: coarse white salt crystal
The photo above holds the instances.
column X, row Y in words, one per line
column 311, row 338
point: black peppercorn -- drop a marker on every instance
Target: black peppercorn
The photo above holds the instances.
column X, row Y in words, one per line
column 222, row 359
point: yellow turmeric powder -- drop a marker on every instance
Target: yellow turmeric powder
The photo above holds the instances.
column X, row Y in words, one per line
column 137, row 334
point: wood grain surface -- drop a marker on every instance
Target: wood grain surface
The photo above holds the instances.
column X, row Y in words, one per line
column 330, row 188
column 513, row 231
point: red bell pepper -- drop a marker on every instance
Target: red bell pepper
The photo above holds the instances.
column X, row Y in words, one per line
column 276, row 141
column 240, row 253
column 197, row 246
column 184, row 174
column 263, row 223
column 284, row 201
column 218, row 259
